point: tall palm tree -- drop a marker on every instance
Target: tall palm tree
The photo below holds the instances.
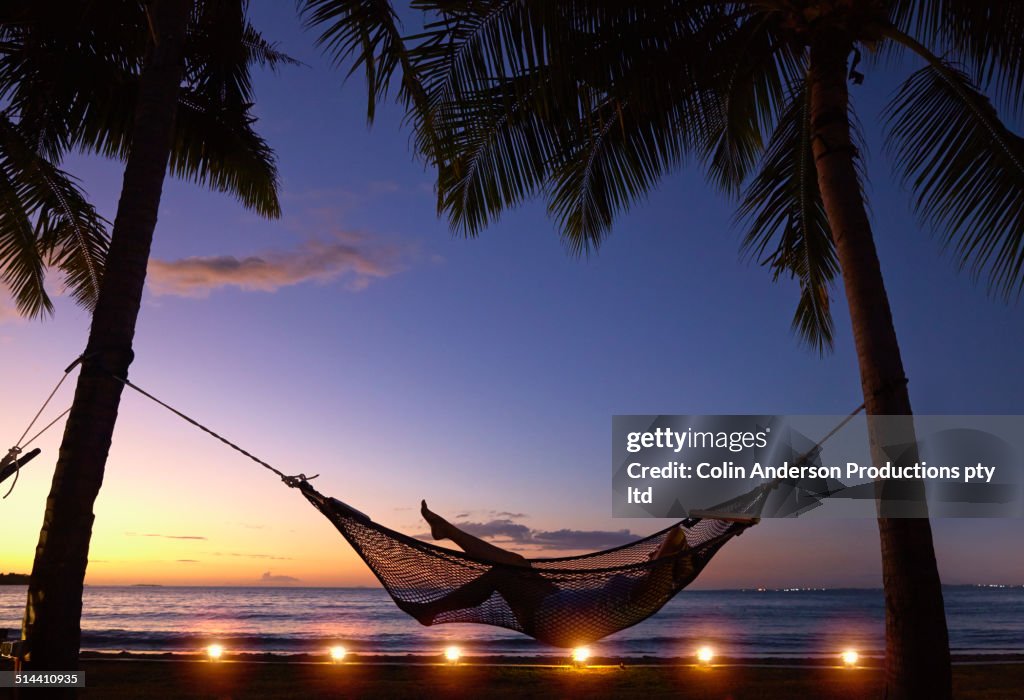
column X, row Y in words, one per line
column 165, row 85
column 589, row 103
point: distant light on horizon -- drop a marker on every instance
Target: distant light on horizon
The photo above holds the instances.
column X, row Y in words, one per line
column 580, row 655
column 453, row 654
column 338, row 653
column 850, row 657
column 705, row 654
column 215, row 651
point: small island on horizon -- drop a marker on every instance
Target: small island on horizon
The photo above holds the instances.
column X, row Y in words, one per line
column 13, row 579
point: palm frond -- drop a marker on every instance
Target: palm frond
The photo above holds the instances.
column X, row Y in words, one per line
column 75, row 240
column 223, row 47
column 966, row 169
column 620, row 153
column 456, row 59
column 788, row 230
column 45, row 219
column 497, row 155
column 751, row 69
column 215, row 145
column 367, row 34
column 64, row 64
column 263, row 53
column 73, row 92
column 580, row 108
column 986, row 38
column 21, row 265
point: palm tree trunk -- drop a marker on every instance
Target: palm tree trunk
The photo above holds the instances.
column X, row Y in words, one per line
column 917, row 643
column 52, row 625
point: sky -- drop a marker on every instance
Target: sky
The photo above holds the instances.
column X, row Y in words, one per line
column 358, row 339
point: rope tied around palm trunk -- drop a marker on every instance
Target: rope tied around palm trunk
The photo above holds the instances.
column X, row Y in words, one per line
column 13, row 453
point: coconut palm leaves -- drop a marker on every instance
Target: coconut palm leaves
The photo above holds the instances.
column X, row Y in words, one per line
column 966, row 169
column 788, row 230
column 367, row 34
column 45, row 221
column 590, row 102
column 64, row 92
column 985, row 38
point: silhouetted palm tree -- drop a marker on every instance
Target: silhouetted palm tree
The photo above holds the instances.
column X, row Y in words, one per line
column 589, row 103
column 164, row 85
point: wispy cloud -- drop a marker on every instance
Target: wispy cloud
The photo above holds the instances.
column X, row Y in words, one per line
column 504, row 529
column 489, row 515
column 583, row 539
column 499, row 529
column 8, row 311
column 166, row 537
column 251, row 556
column 187, row 561
column 355, row 258
column 280, row 578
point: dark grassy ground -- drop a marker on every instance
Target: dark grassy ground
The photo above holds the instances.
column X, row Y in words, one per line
column 117, row 679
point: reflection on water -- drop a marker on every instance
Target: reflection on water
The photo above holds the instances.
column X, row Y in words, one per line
column 736, row 623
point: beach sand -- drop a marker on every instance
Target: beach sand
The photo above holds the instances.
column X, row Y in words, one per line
column 278, row 677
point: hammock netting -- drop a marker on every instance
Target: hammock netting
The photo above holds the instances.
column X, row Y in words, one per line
column 564, row 601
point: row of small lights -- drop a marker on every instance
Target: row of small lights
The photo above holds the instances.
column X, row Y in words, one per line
column 580, row 655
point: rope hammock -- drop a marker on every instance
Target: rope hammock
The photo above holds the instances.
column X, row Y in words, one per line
column 565, row 601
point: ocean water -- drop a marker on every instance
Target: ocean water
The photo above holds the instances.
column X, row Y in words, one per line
column 798, row 623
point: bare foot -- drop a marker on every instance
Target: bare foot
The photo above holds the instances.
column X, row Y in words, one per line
column 438, row 525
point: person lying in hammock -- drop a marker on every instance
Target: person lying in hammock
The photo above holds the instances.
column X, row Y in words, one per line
column 531, row 595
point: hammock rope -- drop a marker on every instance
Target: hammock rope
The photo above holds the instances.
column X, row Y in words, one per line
column 562, row 601
column 292, row 481
column 12, row 462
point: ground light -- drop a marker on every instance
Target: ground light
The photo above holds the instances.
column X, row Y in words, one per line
column 453, row 654
column 214, row 652
column 580, row 656
column 850, row 658
column 338, row 654
column 705, row 655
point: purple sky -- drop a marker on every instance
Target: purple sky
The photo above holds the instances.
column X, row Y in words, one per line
column 356, row 338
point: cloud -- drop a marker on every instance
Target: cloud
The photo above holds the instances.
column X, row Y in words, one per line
column 489, row 514
column 166, row 537
column 583, row 539
column 8, row 311
column 517, row 533
column 187, row 561
column 251, row 556
column 271, row 578
column 344, row 255
column 499, row 528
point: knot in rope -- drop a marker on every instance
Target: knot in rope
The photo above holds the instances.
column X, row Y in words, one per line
column 297, row 480
column 12, row 458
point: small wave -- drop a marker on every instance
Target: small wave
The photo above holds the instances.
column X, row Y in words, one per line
column 738, row 623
